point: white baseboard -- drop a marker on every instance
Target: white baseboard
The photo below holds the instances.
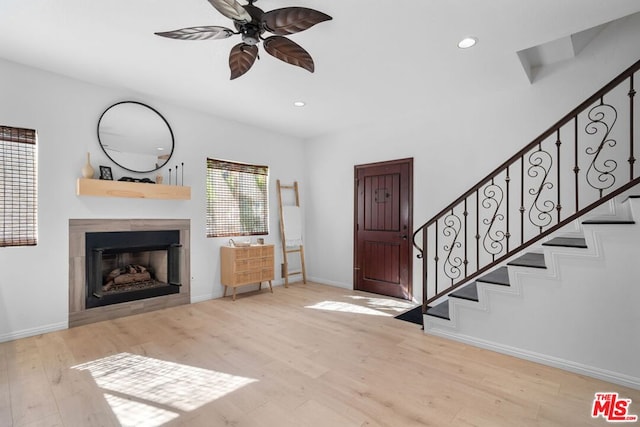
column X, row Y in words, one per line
column 25, row 333
column 330, row 283
column 544, row 359
column 202, row 298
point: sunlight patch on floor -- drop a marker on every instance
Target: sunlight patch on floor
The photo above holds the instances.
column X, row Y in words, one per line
column 155, row 391
column 385, row 303
column 346, row 307
column 133, row 413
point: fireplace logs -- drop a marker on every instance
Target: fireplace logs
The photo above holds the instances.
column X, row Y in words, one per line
column 127, row 276
column 131, row 265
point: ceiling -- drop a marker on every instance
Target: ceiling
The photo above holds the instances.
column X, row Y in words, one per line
column 374, row 61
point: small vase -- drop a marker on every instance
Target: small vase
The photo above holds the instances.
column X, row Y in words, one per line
column 87, row 170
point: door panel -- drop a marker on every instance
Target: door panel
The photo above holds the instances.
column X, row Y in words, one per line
column 381, row 262
column 383, row 224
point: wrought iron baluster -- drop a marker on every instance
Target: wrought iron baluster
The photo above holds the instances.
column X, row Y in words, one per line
column 558, row 202
column 507, row 180
column 466, row 259
column 540, row 163
column 632, row 94
column 492, row 240
column 522, row 209
column 435, row 259
column 452, row 263
column 576, row 168
column 600, row 175
column 477, row 229
column 425, row 273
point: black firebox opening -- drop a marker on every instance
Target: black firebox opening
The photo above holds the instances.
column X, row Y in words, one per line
column 131, row 265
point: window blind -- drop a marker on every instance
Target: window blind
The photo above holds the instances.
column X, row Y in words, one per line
column 18, row 187
column 237, row 199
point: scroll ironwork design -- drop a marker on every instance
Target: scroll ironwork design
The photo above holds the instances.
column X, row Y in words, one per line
column 540, row 163
column 493, row 238
column 478, row 241
column 453, row 263
column 600, row 175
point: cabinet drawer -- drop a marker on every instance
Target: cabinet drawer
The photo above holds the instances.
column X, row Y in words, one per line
column 249, row 277
column 266, row 262
column 241, row 265
column 252, row 264
column 250, row 252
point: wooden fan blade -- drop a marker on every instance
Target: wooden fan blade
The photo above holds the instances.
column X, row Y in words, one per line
column 291, row 20
column 231, row 9
column 198, row 33
column 241, row 59
column 289, row 52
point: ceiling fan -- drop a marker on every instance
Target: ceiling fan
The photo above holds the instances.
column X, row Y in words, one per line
column 251, row 23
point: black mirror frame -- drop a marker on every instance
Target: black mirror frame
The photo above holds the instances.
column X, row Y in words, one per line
column 173, row 141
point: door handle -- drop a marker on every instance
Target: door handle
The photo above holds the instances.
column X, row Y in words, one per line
column 403, row 236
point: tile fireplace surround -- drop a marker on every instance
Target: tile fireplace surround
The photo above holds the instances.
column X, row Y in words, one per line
column 78, row 313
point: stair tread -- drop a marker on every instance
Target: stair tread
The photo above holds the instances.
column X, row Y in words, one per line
column 609, row 221
column 497, row 277
column 441, row 310
column 570, row 242
column 469, row 292
column 530, row 259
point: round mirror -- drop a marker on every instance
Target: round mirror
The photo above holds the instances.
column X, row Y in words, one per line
column 135, row 136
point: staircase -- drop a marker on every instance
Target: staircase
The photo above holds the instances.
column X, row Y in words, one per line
column 570, row 302
column 547, row 215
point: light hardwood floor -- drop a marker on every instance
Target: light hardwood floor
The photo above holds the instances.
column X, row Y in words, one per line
column 309, row 355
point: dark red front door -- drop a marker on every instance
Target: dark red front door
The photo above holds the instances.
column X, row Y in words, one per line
column 383, row 224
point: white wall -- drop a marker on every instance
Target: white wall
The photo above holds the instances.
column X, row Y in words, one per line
column 65, row 112
column 452, row 150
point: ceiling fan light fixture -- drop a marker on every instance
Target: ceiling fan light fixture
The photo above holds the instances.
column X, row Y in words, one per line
column 467, row 42
column 251, row 23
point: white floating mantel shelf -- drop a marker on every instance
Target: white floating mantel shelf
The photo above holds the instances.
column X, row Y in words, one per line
column 135, row 190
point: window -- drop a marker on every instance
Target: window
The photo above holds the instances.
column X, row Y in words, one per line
column 237, row 199
column 18, row 187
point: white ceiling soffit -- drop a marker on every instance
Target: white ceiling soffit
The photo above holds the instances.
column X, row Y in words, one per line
column 535, row 58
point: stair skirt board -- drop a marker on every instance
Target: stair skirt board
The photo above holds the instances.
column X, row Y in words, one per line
column 554, row 362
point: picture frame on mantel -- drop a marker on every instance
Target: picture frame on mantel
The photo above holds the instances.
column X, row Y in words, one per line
column 105, row 173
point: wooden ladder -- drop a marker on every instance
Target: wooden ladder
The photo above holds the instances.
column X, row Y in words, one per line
column 297, row 247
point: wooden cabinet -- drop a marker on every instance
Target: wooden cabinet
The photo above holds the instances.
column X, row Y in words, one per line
column 246, row 265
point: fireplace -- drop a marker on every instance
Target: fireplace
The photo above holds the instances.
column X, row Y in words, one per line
column 131, row 265
column 121, row 267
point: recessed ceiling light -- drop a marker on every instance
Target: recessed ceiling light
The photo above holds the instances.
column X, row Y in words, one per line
column 299, row 103
column 467, row 42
